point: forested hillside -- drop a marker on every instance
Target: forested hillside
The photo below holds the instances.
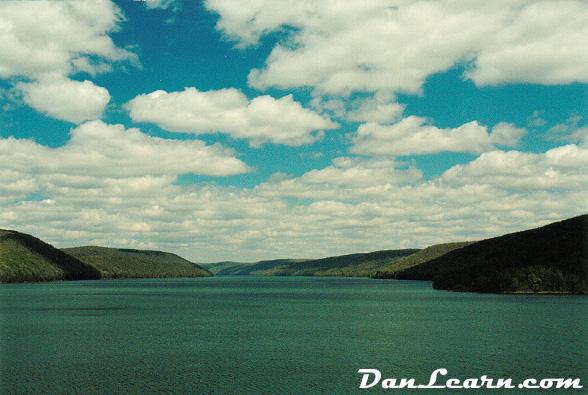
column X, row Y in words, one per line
column 552, row 258
column 26, row 258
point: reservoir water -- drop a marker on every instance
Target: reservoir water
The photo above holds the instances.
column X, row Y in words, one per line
column 279, row 335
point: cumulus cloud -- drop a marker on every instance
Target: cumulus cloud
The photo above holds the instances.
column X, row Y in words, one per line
column 529, row 48
column 46, row 41
column 61, row 32
column 357, row 172
column 153, row 4
column 412, row 136
column 347, row 179
column 343, row 46
column 574, row 130
column 65, row 99
column 380, row 107
column 262, row 119
column 96, row 149
column 562, row 168
column 506, row 134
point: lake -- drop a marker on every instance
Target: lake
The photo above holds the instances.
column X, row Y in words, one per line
column 279, row 335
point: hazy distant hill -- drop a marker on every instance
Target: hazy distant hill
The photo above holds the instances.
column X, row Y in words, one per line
column 417, row 258
column 217, row 267
column 26, row 258
column 128, row 263
column 230, row 268
column 552, row 258
column 353, row 265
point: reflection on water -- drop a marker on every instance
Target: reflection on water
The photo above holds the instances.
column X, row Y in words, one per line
column 276, row 335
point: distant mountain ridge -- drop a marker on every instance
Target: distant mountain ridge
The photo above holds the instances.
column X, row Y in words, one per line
column 25, row 258
column 131, row 263
column 351, row 265
column 229, row 268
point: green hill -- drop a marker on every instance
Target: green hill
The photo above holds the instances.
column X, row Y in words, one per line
column 128, row 263
column 26, row 258
column 552, row 258
column 352, row 265
column 417, row 258
column 224, row 266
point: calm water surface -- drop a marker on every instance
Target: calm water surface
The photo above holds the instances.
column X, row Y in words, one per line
column 278, row 335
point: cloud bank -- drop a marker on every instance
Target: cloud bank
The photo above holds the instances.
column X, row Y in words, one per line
column 115, row 186
column 344, row 46
column 412, row 136
column 262, row 119
column 97, row 152
column 66, row 99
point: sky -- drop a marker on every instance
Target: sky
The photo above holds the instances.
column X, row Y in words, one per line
column 260, row 129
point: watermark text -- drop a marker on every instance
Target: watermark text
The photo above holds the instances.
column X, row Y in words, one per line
column 373, row 377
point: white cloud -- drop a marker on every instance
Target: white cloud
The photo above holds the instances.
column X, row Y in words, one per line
column 544, row 43
column 46, row 37
column 65, row 99
column 379, row 108
column 506, row 134
column 562, row 168
column 412, row 136
column 342, row 46
column 280, row 121
column 111, row 151
column 339, row 209
column 353, row 172
column 574, row 130
column 43, row 42
column 152, row 4
column 347, row 179
column 536, row 119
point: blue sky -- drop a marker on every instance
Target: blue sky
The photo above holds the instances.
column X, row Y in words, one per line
column 249, row 130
